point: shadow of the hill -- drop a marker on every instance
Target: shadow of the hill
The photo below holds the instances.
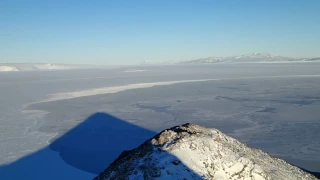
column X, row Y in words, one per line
column 316, row 174
column 91, row 146
column 96, row 142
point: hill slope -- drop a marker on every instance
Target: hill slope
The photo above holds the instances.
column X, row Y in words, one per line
column 194, row 152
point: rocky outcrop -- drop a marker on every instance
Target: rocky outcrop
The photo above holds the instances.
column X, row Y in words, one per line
column 191, row 151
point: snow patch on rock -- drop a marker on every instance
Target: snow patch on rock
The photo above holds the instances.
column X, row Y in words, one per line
column 194, row 152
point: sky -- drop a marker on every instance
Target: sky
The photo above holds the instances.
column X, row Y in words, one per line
column 131, row 31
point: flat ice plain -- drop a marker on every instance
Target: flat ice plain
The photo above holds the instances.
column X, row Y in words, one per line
column 72, row 124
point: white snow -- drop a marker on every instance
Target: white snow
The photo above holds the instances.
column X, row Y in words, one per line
column 116, row 89
column 8, row 68
column 113, row 89
column 134, row 70
column 16, row 93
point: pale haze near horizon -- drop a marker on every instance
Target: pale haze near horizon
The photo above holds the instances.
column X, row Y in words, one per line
column 127, row 32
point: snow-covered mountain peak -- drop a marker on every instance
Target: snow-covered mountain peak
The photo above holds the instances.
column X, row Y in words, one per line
column 194, row 152
column 248, row 58
column 260, row 55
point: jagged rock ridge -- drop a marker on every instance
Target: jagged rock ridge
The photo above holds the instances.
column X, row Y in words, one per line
column 194, row 152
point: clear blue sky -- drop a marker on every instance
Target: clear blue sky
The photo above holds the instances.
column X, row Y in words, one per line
column 120, row 32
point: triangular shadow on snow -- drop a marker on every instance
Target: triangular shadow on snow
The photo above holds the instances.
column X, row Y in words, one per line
column 96, row 142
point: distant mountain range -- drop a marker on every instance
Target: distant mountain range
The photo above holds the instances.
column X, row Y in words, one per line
column 5, row 67
column 33, row 67
column 249, row 58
